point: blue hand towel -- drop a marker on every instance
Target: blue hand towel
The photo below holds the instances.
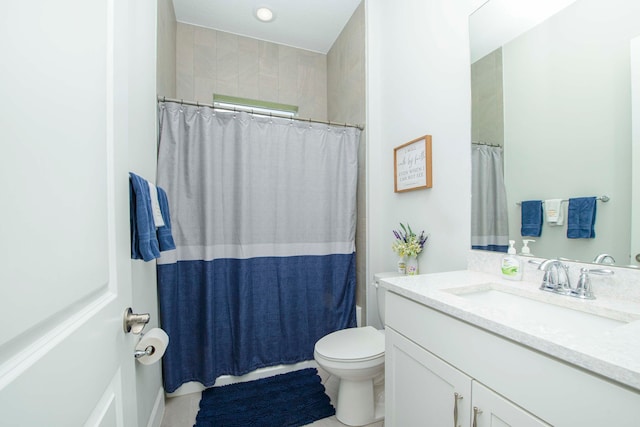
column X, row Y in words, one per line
column 144, row 244
column 581, row 218
column 531, row 211
column 165, row 238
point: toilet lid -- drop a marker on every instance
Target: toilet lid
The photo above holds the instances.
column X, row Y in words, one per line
column 352, row 344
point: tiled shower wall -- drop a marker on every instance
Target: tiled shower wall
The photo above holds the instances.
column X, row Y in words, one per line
column 210, row 61
column 346, row 103
column 487, row 111
column 166, row 50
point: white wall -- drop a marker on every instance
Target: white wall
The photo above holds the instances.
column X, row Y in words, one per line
column 418, row 82
column 635, row 151
column 142, row 161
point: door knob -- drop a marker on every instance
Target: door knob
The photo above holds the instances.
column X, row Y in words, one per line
column 133, row 322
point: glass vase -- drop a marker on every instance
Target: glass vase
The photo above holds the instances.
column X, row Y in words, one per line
column 412, row 266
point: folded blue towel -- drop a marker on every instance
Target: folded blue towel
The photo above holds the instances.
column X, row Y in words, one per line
column 144, row 244
column 531, row 211
column 165, row 238
column 581, row 218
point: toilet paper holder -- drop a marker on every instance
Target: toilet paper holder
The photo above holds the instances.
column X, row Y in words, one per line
column 151, row 346
column 133, row 322
column 146, row 352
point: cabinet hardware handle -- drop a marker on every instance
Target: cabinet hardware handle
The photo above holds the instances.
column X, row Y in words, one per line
column 476, row 412
column 456, row 397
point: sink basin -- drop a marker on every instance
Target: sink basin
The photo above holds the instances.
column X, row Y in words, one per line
column 572, row 317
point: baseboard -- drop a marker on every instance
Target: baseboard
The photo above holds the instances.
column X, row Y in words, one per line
column 155, row 419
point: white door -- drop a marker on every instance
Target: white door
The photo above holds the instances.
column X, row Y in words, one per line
column 65, row 272
column 635, row 152
column 421, row 389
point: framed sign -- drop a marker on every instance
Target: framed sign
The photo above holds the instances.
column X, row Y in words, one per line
column 412, row 165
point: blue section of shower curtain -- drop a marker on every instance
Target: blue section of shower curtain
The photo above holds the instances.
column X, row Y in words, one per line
column 262, row 312
column 493, row 248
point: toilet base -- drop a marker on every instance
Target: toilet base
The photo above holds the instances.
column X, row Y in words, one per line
column 356, row 405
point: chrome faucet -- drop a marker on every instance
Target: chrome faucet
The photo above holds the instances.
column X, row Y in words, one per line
column 604, row 259
column 556, row 277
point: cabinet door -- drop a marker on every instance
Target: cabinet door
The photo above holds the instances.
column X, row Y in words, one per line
column 492, row 410
column 421, row 389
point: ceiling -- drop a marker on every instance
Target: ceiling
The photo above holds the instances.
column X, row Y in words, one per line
column 306, row 24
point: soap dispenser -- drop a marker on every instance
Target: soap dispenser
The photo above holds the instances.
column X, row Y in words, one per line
column 526, row 251
column 511, row 264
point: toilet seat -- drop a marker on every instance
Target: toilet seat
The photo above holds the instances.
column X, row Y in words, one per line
column 352, row 345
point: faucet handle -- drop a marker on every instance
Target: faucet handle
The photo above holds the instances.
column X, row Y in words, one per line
column 601, row 271
column 583, row 288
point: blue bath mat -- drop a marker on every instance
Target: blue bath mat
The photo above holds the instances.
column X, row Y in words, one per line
column 293, row 399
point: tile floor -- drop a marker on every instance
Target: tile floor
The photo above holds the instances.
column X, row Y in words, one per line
column 181, row 411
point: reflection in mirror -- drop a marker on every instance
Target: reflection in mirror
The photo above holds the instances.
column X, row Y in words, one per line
column 556, row 100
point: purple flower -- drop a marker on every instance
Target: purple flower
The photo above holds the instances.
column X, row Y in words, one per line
column 407, row 242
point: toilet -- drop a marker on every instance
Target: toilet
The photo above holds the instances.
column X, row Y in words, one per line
column 356, row 357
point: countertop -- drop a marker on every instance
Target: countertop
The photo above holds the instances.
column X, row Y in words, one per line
column 614, row 353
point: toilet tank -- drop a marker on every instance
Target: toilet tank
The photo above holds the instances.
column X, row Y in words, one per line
column 380, row 292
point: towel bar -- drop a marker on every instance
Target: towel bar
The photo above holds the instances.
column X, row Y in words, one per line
column 603, row 199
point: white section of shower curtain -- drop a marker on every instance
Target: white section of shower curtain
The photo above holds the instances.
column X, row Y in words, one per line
column 489, row 221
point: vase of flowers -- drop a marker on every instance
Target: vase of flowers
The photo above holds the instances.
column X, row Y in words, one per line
column 408, row 244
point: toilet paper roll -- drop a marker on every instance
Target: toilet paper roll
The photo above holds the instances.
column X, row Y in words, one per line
column 158, row 340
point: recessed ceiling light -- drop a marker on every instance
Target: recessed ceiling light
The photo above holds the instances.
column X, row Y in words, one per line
column 264, row 14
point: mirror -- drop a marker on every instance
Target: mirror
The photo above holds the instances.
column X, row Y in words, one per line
column 556, row 95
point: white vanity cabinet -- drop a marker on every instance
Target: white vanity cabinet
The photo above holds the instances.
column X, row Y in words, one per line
column 492, row 410
column 424, row 390
column 431, row 356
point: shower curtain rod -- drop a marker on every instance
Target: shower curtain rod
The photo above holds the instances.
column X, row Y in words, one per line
column 488, row 144
column 249, row 110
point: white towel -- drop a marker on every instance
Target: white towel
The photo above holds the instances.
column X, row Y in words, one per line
column 155, row 206
column 553, row 212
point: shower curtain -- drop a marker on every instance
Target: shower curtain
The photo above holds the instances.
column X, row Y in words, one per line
column 263, row 214
column 489, row 222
